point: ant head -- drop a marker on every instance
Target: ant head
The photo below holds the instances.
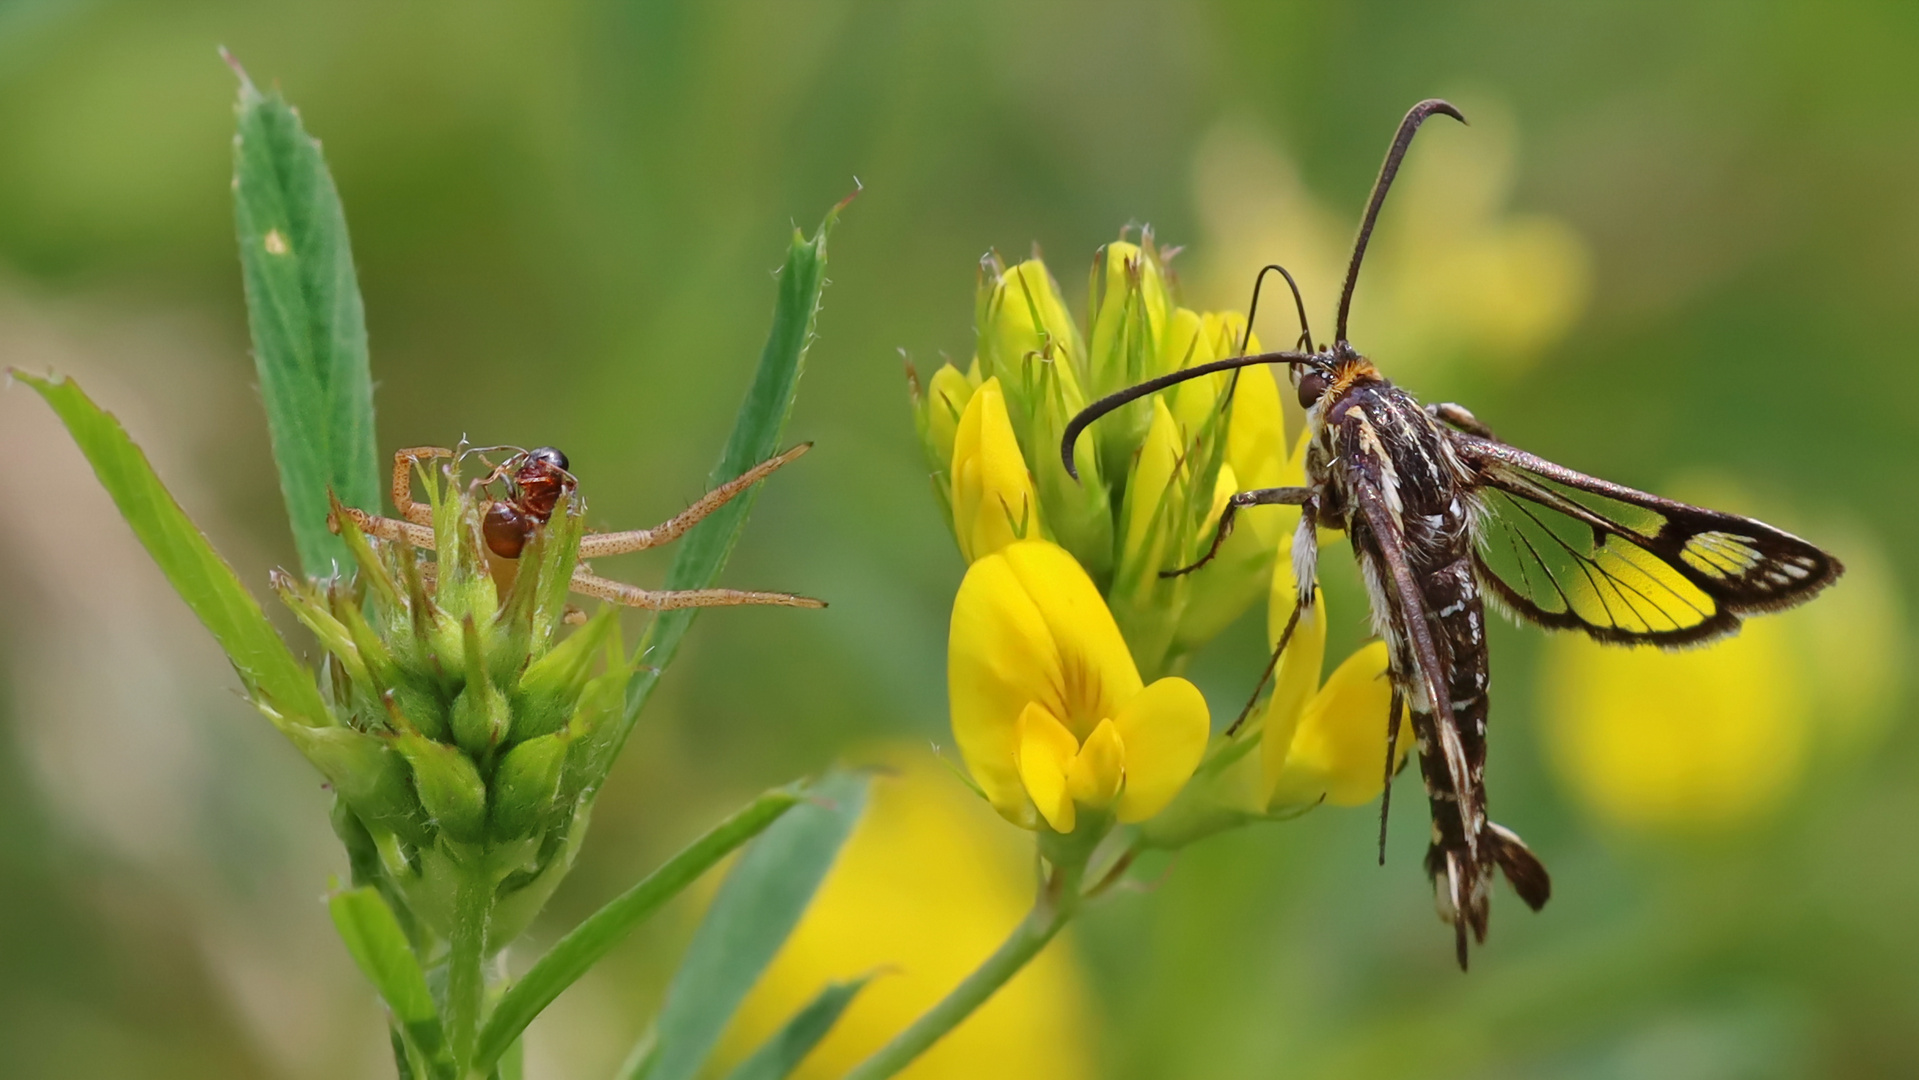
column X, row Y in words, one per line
column 544, row 458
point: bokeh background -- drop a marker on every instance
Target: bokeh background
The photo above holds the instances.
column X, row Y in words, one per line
column 1677, row 248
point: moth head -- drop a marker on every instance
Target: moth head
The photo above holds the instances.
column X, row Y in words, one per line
column 1328, row 375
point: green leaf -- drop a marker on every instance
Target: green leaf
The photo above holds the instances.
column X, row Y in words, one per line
column 309, row 330
column 779, row 1055
column 203, row 579
column 756, row 909
column 703, row 552
column 588, row 942
column 374, row 939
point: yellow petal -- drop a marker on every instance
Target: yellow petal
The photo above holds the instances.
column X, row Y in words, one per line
column 1339, row 748
column 1095, row 673
column 1000, row 656
column 1026, row 317
column 1147, row 513
column 1298, row 673
column 1256, row 437
column 1164, row 729
column 993, row 500
column 1046, row 751
column 947, row 394
column 1094, row 777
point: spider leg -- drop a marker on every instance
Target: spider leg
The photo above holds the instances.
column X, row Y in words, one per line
column 664, row 600
column 403, row 463
column 620, row 543
column 420, row 536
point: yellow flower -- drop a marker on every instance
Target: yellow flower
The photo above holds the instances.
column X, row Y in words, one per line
column 993, row 499
column 1048, row 708
column 1022, row 320
column 924, row 890
column 1457, row 277
column 1715, row 737
column 1696, row 739
column 1322, row 742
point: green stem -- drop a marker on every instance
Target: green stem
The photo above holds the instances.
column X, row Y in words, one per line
column 1055, row 906
column 466, row 963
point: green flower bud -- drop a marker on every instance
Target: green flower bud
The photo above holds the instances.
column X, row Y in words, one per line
column 449, row 784
column 525, row 784
column 480, row 717
column 369, row 777
column 466, row 733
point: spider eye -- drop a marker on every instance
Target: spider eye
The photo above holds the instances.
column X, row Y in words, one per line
column 1312, row 385
column 548, row 455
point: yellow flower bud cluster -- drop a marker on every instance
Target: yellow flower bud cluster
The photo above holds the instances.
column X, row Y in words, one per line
column 1153, row 476
column 1068, row 630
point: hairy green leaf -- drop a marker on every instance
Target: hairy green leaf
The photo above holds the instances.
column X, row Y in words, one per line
column 309, row 330
column 204, row 580
column 703, row 552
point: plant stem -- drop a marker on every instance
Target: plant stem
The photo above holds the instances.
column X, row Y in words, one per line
column 466, row 963
column 1055, row 906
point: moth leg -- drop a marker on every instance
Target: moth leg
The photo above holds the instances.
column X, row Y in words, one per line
column 1461, row 417
column 1280, row 496
column 1285, row 637
column 403, row 463
column 666, row 600
column 1392, row 751
column 406, row 532
column 620, row 543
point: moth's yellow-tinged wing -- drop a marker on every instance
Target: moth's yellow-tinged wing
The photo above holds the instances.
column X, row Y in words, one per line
column 1573, row 552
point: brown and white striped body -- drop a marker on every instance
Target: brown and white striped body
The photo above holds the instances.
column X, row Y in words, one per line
column 1372, row 442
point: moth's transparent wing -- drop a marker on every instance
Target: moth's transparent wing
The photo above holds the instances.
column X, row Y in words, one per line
column 1573, row 552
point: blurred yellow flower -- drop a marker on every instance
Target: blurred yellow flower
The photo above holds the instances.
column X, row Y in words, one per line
column 993, row 500
column 1696, row 738
column 1455, row 275
column 923, row 891
column 1716, row 736
column 1048, row 708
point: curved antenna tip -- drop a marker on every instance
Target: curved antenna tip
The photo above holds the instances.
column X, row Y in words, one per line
column 1402, row 139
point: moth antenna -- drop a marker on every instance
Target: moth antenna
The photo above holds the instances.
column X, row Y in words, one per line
column 1252, row 309
column 1133, row 393
column 1394, row 155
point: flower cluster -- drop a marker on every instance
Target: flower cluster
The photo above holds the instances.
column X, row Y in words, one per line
column 463, row 740
column 1153, row 476
column 1069, row 629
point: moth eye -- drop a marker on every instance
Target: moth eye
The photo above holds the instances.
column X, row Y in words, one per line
column 1311, row 386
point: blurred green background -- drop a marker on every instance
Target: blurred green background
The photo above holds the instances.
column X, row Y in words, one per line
column 564, row 217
